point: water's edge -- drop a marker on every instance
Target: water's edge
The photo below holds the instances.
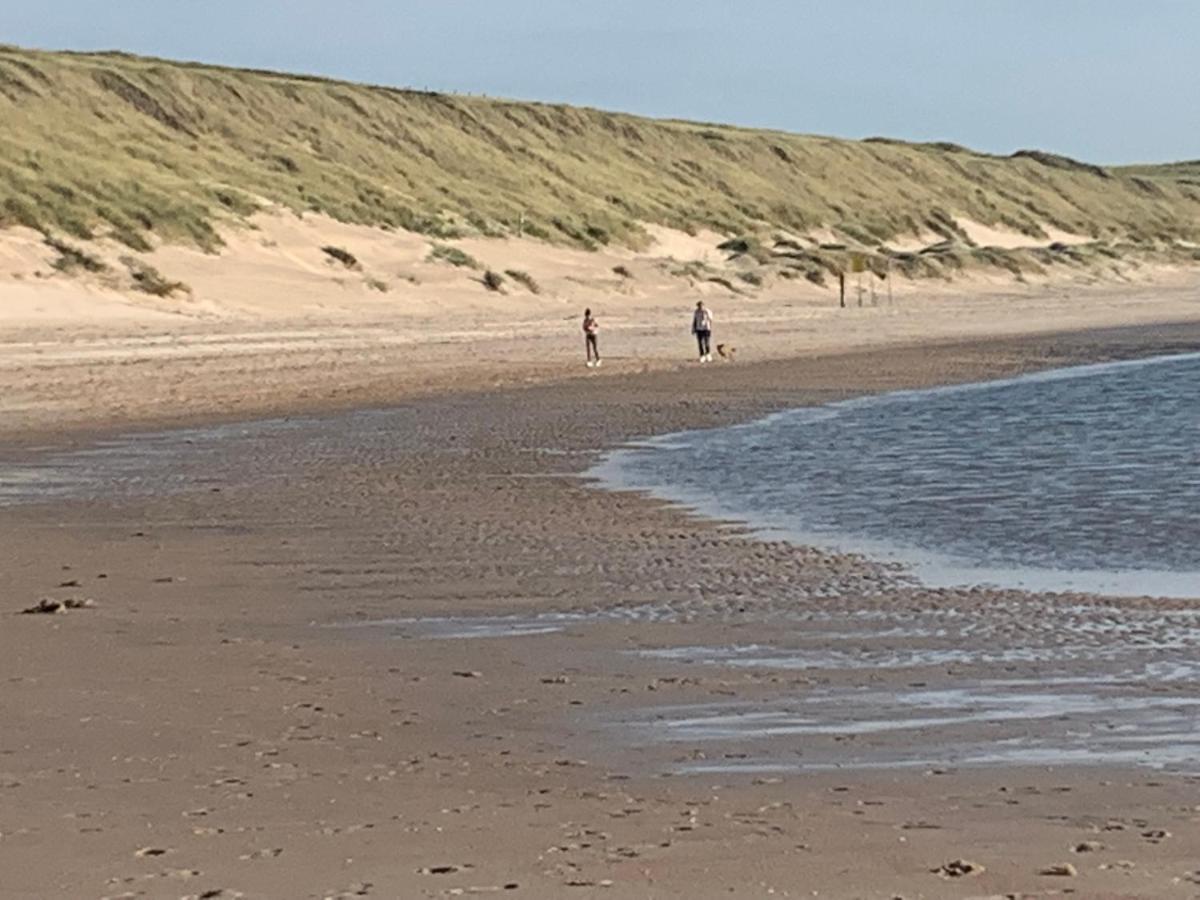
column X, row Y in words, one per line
column 614, row 472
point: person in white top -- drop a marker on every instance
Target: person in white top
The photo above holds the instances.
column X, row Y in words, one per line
column 702, row 329
column 590, row 327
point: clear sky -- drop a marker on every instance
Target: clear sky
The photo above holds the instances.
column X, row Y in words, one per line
column 1102, row 80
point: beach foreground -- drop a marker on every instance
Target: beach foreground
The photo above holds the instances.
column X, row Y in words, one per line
column 241, row 713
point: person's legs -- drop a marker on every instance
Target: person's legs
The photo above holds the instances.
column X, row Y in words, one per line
column 704, row 336
column 593, row 349
column 700, row 343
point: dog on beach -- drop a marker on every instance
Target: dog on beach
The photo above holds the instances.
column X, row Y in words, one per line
column 726, row 352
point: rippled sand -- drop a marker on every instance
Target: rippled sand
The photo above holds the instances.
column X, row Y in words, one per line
column 415, row 653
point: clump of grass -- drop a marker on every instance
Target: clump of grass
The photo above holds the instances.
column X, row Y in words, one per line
column 377, row 284
column 693, row 269
column 493, row 281
column 737, row 246
column 74, row 259
column 237, row 203
column 149, row 280
column 751, row 278
column 453, row 256
column 745, row 246
column 15, row 211
column 524, row 278
column 131, row 238
column 622, row 271
column 343, row 256
column 589, row 237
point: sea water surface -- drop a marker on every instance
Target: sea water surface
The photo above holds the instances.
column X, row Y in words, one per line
column 1086, row 478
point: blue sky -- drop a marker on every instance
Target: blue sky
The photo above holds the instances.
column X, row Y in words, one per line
column 1101, row 80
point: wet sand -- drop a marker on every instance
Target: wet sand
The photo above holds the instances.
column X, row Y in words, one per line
column 251, row 710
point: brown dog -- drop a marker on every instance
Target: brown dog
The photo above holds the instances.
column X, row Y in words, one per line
column 726, row 353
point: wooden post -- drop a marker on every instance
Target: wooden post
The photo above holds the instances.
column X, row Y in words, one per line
column 889, row 280
column 842, row 289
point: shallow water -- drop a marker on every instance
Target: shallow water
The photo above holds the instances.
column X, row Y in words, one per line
column 947, row 480
column 1066, row 685
column 1077, row 479
column 1011, row 683
column 994, row 722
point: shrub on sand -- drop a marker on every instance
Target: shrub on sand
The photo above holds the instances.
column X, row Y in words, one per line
column 345, row 257
column 73, row 259
column 452, row 255
column 524, row 278
column 149, row 280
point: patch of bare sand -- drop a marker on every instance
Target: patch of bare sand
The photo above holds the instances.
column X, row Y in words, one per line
column 1008, row 239
column 278, row 268
column 672, row 243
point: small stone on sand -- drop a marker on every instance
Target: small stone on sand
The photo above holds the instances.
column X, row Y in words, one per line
column 49, row 606
column 957, row 868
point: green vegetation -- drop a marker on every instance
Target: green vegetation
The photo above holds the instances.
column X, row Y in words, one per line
column 622, row 271
column 149, row 280
column 747, row 247
column 493, row 281
column 692, row 269
column 525, row 279
column 452, row 255
column 73, row 259
column 115, row 145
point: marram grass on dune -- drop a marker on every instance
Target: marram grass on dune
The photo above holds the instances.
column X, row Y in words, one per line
column 143, row 150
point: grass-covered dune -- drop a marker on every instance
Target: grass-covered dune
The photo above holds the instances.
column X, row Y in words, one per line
column 110, row 144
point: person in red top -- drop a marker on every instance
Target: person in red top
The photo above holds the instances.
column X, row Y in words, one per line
column 590, row 327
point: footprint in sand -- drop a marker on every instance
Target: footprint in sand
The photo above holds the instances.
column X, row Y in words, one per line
column 359, row 889
column 266, row 853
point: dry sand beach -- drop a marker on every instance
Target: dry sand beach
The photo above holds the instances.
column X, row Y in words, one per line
column 272, row 324
column 409, row 652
